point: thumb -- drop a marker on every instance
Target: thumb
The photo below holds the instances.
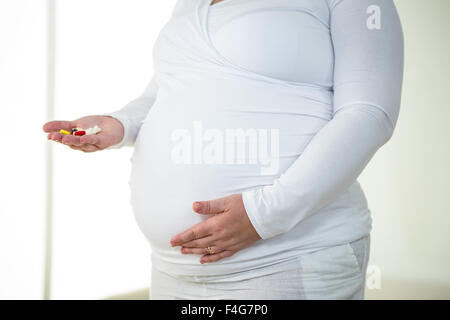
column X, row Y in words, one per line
column 55, row 126
column 210, row 206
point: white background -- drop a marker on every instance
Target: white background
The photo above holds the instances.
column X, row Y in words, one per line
column 103, row 61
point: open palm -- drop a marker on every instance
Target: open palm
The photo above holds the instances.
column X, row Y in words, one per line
column 111, row 134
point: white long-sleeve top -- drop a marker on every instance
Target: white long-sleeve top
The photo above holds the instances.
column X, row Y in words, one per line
column 323, row 77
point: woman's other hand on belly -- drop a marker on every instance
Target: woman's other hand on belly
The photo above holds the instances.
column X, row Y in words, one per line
column 225, row 233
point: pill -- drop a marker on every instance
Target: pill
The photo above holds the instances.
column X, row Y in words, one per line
column 96, row 129
column 74, row 130
column 80, row 133
column 64, row 131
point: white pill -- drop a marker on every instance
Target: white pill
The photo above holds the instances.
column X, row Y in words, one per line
column 96, row 129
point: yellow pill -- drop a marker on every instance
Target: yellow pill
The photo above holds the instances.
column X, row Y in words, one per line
column 64, row 131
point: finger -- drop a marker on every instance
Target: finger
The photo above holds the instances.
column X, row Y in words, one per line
column 91, row 139
column 56, row 136
column 75, row 148
column 216, row 257
column 71, row 140
column 200, row 243
column 89, row 148
column 202, row 251
column 210, row 206
column 198, row 231
column 55, row 126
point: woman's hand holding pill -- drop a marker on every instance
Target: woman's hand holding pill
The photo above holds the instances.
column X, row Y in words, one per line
column 111, row 132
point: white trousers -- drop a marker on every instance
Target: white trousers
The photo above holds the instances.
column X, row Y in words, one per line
column 336, row 272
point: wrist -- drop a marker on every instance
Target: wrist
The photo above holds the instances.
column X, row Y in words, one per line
column 251, row 207
column 119, row 124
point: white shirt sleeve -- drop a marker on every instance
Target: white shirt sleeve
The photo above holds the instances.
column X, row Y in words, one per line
column 133, row 114
column 368, row 44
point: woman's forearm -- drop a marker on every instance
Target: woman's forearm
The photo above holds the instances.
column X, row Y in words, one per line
column 368, row 46
column 133, row 114
column 330, row 163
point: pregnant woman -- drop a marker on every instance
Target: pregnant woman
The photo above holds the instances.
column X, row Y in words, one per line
column 249, row 139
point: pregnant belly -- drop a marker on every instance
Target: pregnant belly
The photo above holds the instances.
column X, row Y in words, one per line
column 186, row 153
